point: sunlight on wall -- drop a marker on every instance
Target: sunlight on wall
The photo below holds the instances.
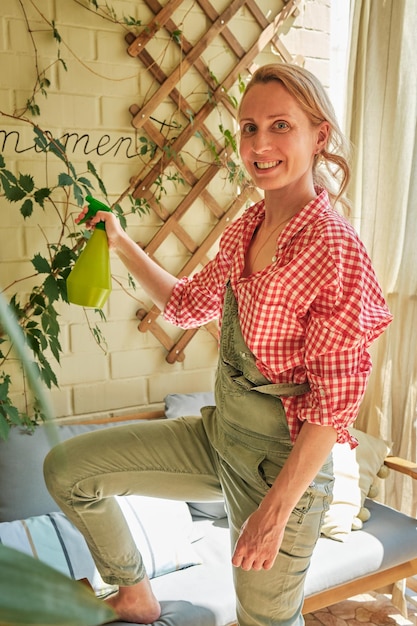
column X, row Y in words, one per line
column 339, row 41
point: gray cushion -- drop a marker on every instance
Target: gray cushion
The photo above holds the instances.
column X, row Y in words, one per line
column 387, row 539
column 23, row 492
column 186, row 404
column 207, row 587
column 181, row 613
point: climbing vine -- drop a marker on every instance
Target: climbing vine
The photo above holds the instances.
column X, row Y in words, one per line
column 36, row 308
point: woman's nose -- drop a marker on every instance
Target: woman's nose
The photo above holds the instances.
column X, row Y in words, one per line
column 261, row 143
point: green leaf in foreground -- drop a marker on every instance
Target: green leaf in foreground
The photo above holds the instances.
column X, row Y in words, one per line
column 33, row 593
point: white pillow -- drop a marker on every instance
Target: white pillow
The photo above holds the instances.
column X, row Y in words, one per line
column 355, row 471
column 161, row 529
column 186, row 404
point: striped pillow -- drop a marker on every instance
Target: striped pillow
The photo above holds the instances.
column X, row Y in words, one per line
column 161, row 529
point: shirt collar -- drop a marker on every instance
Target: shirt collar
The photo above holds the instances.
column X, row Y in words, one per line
column 303, row 218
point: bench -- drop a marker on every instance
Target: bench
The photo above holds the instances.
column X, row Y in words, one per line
column 383, row 552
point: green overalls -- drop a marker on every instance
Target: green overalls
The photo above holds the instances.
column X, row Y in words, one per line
column 235, row 450
column 249, row 430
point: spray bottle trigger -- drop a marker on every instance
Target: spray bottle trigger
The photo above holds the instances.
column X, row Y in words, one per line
column 94, row 206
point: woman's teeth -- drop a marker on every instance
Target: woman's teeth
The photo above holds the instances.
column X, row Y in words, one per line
column 266, row 166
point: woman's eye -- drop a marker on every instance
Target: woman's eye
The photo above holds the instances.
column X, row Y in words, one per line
column 248, row 128
column 282, row 125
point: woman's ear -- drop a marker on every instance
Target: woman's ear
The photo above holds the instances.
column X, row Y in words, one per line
column 323, row 134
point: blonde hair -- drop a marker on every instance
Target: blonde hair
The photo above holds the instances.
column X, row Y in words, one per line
column 331, row 167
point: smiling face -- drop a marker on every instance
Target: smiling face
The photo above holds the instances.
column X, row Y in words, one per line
column 277, row 140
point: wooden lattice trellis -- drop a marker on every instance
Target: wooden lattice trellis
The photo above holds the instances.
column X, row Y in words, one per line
column 192, row 57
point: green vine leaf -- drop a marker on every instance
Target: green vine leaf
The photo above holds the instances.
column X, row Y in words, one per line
column 4, row 427
column 58, row 149
column 64, row 65
column 85, row 182
column 47, row 373
column 65, row 180
column 131, row 21
column 78, row 194
column 11, row 187
column 241, row 84
column 10, row 412
column 62, row 258
column 15, row 307
column 117, row 209
column 33, row 108
column 4, row 388
column 40, row 264
column 40, row 139
column 176, row 36
column 93, row 171
column 55, row 32
column 41, row 195
column 51, row 288
column 14, row 194
column 27, row 208
column 8, row 178
column 26, row 182
column 228, row 138
column 44, row 83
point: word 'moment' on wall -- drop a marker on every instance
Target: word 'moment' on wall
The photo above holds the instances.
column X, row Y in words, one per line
column 74, row 143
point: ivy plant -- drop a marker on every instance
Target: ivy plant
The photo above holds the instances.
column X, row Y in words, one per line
column 37, row 313
column 36, row 309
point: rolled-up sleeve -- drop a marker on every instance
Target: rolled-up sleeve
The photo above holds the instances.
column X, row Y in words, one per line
column 342, row 324
column 191, row 305
column 198, row 300
column 338, row 380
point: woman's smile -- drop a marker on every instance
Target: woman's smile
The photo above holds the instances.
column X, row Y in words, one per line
column 266, row 165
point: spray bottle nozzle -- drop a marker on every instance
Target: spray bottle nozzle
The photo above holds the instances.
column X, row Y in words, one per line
column 94, row 206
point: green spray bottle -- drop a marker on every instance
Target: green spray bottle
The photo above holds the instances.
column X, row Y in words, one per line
column 89, row 283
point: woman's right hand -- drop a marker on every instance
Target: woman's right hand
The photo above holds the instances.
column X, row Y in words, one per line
column 156, row 281
column 113, row 229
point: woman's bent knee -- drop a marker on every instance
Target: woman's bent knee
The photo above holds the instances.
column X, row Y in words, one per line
column 55, row 470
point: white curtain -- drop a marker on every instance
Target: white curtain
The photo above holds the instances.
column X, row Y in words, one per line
column 381, row 121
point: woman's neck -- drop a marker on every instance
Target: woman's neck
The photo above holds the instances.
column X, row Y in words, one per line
column 281, row 204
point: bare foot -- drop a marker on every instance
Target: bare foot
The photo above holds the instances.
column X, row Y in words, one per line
column 136, row 604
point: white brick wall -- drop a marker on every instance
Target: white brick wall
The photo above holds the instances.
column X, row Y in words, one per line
column 93, row 97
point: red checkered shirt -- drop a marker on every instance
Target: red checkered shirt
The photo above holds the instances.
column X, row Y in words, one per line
column 309, row 316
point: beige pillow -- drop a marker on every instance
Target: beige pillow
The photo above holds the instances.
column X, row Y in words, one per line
column 355, row 472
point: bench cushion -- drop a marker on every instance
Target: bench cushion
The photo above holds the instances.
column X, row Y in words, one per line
column 162, row 529
column 387, row 539
column 205, row 592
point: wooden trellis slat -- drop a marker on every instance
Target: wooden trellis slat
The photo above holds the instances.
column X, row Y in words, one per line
column 169, row 152
column 186, row 63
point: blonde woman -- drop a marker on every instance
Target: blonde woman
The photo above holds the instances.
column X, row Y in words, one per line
column 299, row 305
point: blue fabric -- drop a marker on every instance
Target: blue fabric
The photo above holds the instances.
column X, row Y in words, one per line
column 186, row 404
column 161, row 528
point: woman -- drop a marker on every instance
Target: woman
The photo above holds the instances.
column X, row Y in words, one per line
column 298, row 304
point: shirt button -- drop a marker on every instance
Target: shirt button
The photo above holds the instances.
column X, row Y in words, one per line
column 322, row 392
column 243, row 355
column 274, row 258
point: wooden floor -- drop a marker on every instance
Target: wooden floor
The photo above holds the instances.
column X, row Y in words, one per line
column 369, row 609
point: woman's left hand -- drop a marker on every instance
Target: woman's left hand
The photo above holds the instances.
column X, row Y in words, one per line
column 261, row 535
column 258, row 543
